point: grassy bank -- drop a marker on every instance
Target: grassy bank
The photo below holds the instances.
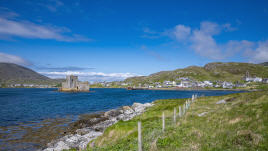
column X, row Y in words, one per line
column 240, row 124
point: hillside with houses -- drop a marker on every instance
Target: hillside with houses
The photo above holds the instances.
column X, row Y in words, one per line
column 212, row 75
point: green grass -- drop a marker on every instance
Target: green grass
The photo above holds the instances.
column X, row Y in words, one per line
column 240, row 124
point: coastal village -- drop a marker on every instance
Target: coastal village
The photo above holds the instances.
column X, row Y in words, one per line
column 31, row 86
column 189, row 83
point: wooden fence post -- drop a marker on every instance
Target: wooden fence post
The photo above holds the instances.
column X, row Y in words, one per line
column 139, row 136
column 184, row 109
column 174, row 116
column 163, row 122
column 180, row 111
column 190, row 103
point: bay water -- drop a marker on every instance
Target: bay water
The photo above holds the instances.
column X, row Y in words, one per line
column 26, row 112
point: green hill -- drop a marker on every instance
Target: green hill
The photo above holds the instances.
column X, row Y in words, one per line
column 15, row 74
column 231, row 71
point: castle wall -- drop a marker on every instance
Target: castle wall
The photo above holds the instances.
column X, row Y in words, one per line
column 83, row 86
column 72, row 84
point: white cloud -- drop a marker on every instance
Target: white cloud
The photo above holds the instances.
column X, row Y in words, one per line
column 60, row 72
column 202, row 40
column 27, row 29
column 261, row 53
column 7, row 58
column 204, row 44
column 62, row 69
column 182, row 32
column 90, row 76
column 210, row 28
column 233, row 47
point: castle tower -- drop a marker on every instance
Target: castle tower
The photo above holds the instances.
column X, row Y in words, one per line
column 72, row 84
column 247, row 74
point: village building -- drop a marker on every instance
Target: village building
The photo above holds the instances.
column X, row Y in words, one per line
column 73, row 85
column 158, row 86
column 227, row 85
column 248, row 78
column 185, row 84
column 265, row 80
column 167, row 84
column 208, row 83
column 150, row 86
column 253, row 79
column 240, row 85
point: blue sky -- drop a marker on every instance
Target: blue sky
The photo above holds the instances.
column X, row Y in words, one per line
column 111, row 40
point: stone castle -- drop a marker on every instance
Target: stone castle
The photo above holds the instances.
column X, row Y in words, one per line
column 73, row 85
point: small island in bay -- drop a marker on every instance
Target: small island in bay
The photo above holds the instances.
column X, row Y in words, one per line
column 73, row 85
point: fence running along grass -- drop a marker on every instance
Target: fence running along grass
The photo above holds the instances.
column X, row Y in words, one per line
column 238, row 122
column 186, row 106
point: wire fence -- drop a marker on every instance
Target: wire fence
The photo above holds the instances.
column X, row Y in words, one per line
column 182, row 111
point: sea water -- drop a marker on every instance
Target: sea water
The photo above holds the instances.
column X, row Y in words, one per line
column 22, row 108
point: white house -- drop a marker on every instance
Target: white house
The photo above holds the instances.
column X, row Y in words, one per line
column 265, row 80
column 208, row 83
column 255, row 79
column 241, row 85
column 227, row 85
column 124, row 84
column 150, row 86
column 185, row 84
column 159, row 86
column 168, row 83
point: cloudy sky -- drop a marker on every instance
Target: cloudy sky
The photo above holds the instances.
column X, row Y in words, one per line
column 112, row 40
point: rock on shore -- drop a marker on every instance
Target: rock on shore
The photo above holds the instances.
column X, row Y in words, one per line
column 91, row 130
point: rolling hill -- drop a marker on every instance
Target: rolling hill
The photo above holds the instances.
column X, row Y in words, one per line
column 231, row 71
column 12, row 73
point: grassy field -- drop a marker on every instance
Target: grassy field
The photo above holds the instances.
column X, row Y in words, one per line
column 240, row 124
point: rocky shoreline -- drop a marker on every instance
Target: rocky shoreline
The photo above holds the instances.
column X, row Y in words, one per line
column 90, row 127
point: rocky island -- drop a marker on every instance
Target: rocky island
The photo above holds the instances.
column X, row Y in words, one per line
column 73, row 85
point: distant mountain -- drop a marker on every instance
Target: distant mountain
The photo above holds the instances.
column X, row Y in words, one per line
column 231, row 71
column 13, row 73
column 264, row 63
